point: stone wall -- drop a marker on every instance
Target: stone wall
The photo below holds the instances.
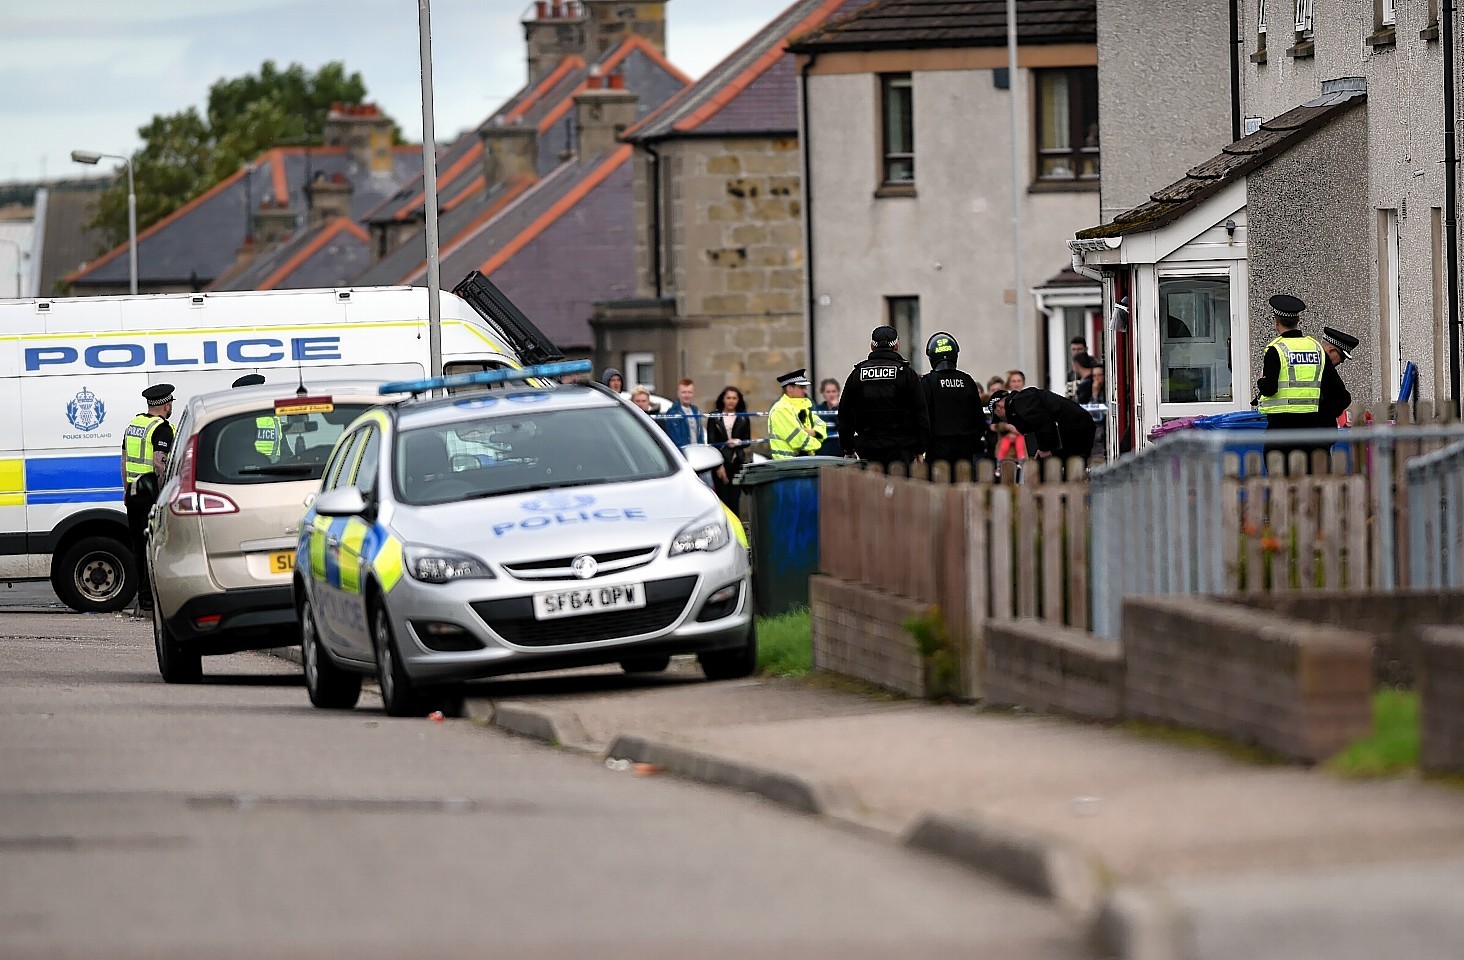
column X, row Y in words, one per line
column 1441, row 699
column 1045, row 666
column 1302, row 690
column 859, row 632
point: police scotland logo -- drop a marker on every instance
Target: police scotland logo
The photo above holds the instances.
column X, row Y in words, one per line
column 85, row 411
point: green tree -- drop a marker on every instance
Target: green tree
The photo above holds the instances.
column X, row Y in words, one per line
column 184, row 154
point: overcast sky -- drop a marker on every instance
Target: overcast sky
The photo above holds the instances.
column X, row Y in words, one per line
column 85, row 74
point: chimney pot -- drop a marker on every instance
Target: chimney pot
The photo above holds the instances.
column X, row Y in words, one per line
column 617, row 81
column 541, row 9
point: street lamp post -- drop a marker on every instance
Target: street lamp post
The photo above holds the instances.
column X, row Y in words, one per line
column 91, row 157
column 19, row 256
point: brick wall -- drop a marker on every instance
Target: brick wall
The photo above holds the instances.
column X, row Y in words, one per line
column 1441, row 699
column 1051, row 667
column 1391, row 617
column 1293, row 687
column 859, row 632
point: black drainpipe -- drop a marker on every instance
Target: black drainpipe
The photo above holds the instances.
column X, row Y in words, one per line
column 1451, row 201
column 655, row 215
column 1235, row 128
column 808, row 212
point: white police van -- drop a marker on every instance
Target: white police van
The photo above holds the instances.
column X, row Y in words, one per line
column 72, row 372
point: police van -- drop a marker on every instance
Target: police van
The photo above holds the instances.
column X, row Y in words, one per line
column 72, row 372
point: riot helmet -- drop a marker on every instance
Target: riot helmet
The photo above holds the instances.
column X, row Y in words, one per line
column 942, row 350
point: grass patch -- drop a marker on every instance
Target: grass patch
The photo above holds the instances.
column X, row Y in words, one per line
column 785, row 644
column 1393, row 747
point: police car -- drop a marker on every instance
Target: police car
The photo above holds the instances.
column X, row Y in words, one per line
column 514, row 525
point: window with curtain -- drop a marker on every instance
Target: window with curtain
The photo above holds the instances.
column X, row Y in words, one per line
column 903, row 313
column 1194, row 340
column 1067, row 124
column 897, row 108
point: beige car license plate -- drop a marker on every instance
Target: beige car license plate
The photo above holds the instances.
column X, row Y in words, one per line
column 282, row 561
column 576, row 603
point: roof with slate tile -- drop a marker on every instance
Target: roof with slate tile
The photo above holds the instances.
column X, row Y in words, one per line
column 1274, row 137
column 754, row 90
column 200, row 240
column 911, row 24
column 328, row 255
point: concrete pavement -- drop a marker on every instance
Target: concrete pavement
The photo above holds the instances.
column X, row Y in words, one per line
column 1169, row 842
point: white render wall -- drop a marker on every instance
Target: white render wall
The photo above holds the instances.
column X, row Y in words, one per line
column 951, row 244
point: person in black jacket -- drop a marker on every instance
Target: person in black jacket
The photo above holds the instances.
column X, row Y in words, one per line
column 958, row 426
column 1057, row 426
column 730, row 431
column 882, row 415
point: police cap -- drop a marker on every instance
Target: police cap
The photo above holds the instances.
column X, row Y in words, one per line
column 884, row 333
column 1287, row 307
column 1345, row 342
column 796, row 378
column 249, row 380
column 158, row 394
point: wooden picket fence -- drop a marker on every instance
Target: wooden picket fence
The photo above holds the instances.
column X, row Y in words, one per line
column 1012, row 539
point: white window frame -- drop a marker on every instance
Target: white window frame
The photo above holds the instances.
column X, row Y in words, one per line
column 633, row 363
column 1389, row 13
column 1261, row 17
column 1304, row 17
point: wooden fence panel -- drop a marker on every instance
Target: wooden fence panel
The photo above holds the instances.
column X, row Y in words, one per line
column 1257, row 529
column 1053, row 583
column 1076, row 530
column 1024, row 518
column 1002, row 557
column 1329, row 527
column 1232, row 519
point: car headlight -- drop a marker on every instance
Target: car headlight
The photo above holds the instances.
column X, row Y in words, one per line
column 705, row 535
column 434, row 565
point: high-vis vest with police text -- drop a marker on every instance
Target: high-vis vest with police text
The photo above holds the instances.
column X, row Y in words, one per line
column 267, row 436
column 786, row 436
column 1299, row 384
column 137, row 446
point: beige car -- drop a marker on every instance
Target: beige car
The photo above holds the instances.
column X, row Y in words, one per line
column 221, row 543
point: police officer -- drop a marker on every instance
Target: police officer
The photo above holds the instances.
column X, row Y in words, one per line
column 1054, row 425
column 1294, row 373
column 1338, row 347
column 958, row 428
column 266, row 429
column 882, row 416
column 145, row 445
column 793, row 428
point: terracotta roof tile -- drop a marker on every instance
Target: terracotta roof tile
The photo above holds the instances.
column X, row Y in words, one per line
column 905, row 24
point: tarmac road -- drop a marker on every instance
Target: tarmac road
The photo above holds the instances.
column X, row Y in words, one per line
column 230, row 819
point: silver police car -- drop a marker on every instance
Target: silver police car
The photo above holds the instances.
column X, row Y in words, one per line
column 512, row 526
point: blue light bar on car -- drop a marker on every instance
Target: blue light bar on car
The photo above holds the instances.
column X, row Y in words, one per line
column 486, row 378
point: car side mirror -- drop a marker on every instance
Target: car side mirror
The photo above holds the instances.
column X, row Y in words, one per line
column 702, row 457
column 342, row 502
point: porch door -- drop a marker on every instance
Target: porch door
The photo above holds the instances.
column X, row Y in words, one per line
column 1199, row 356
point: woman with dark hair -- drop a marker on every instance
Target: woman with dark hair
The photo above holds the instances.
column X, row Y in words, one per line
column 731, row 432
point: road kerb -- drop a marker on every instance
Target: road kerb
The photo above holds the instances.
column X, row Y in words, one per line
column 1140, row 923
column 1043, row 866
column 526, row 721
column 789, row 790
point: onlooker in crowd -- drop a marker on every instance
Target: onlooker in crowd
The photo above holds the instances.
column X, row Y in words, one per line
column 730, row 430
column 828, row 410
column 794, row 430
column 1084, row 364
column 611, row 378
column 641, row 397
column 953, row 397
column 994, row 384
column 682, row 420
column 1016, row 380
column 882, row 417
column 1058, row 426
column 1077, row 347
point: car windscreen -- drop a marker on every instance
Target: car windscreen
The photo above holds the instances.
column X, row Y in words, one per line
column 525, row 450
column 261, row 447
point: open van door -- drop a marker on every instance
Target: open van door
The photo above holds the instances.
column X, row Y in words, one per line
column 500, row 313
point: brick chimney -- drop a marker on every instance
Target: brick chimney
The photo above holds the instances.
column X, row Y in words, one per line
column 611, row 21
column 366, row 131
column 274, row 223
column 508, row 151
column 602, row 112
column 329, row 196
column 553, row 29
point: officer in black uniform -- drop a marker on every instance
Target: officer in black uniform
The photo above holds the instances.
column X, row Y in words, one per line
column 1336, row 398
column 1055, row 425
column 958, row 427
column 145, row 446
column 882, row 416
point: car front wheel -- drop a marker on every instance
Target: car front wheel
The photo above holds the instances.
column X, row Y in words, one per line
column 330, row 687
column 731, row 664
column 400, row 694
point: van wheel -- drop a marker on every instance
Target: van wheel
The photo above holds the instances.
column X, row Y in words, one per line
column 95, row 575
column 175, row 663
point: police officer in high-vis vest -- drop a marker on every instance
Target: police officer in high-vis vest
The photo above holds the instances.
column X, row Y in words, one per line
column 266, row 429
column 1295, row 372
column 145, row 446
column 794, row 430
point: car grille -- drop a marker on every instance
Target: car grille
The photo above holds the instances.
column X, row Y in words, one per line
column 561, row 568
column 513, row 618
